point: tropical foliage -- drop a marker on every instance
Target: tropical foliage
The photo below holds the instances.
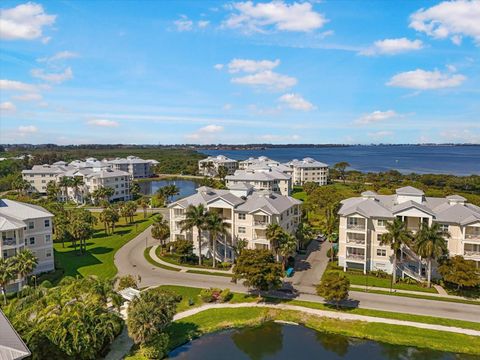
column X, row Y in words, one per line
column 460, row 272
column 334, row 287
column 259, row 270
column 160, row 229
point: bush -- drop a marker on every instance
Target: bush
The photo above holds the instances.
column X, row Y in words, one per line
column 210, row 295
column 46, row 284
column 379, row 274
column 224, row 265
column 127, row 281
column 225, row 296
column 329, row 253
column 156, row 348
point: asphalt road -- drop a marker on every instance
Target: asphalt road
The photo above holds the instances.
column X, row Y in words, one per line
column 130, row 260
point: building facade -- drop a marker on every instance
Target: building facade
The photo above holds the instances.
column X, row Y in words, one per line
column 247, row 212
column 26, row 226
column 262, row 178
column 137, row 167
column 308, row 170
column 363, row 220
column 210, row 165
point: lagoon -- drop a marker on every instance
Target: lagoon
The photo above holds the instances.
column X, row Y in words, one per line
column 185, row 187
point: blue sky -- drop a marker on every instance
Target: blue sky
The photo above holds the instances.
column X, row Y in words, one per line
column 163, row 72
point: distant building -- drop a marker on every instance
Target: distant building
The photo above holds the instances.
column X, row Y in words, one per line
column 363, row 220
column 261, row 161
column 262, row 178
column 210, row 165
column 40, row 175
column 12, row 346
column 247, row 212
column 308, row 170
column 26, row 226
column 137, row 167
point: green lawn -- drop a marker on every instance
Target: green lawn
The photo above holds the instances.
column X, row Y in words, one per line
column 146, row 253
column 298, row 193
column 175, row 260
column 101, row 249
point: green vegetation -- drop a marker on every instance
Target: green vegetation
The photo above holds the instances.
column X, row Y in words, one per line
column 146, row 253
column 100, row 249
column 334, row 287
column 22, row 264
column 206, row 272
column 258, row 270
column 460, row 273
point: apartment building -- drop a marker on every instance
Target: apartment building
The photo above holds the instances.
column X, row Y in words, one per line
column 40, row 175
column 247, row 212
column 363, row 220
column 137, row 167
column 210, row 165
column 262, row 178
column 308, row 170
column 261, row 160
column 26, row 226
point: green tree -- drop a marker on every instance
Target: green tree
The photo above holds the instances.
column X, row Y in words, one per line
column 334, row 287
column 259, row 269
column 397, row 235
column 25, row 263
column 216, row 227
column 430, row 244
column 329, row 226
column 274, row 234
column 341, row 167
column 135, row 190
column 64, row 183
column 183, row 248
column 460, row 272
column 53, row 190
column 81, row 227
column 160, row 229
column 288, row 247
column 195, row 218
column 7, row 274
column 143, row 203
column 222, row 173
column 150, row 313
column 127, row 281
column 304, row 234
column 76, row 183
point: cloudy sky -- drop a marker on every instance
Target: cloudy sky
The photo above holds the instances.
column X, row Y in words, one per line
column 162, row 72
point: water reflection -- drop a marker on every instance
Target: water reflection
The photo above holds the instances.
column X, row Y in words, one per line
column 334, row 343
column 270, row 337
column 185, row 187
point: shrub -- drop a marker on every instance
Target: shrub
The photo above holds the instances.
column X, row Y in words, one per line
column 225, row 296
column 224, row 265
column 329, row 253
column 211, row 295
column 156, row 348
column 379, row 274
column 46, row 284
column 126, row 282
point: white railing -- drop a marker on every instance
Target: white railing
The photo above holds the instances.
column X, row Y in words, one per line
column 9, row 242
column 472, row 236
column 356, row 241
column 260, row 223
column 472, row 253
column 410, row 273
column 357, row 257
column 355, row 227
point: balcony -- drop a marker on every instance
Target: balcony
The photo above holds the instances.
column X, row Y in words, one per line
column 356, row 241
column 472, row 236
column 259, row 223
column 9, row 242
column 471, row 253
column 359, row 227
column 356, row 257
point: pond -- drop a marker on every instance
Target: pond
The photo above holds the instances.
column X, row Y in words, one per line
column 291, row 342
column 186, row 187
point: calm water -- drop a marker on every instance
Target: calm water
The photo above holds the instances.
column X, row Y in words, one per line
column 290, row 342
column 457, row 160
column 186, row 187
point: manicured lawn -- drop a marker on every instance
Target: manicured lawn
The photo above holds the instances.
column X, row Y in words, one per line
column 146, row 253
column 426, row 297
column 98, row 260
column 175, row 260
column 298, row 193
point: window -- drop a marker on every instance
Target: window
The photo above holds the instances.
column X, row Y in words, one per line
column 47, row 238
column 48, row 253
column 47, row 223
column 352, row 221
column 381, row 222
column 241, row 230
column 242, row 216
column 444, row 227
column 31, row 225
column 32, row 240
column 381, row 252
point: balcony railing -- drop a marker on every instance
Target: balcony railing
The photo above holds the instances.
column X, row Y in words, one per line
column 356, row 241
column 356, row 226
column 472, row 253
column 260, row 223
column 9, row 242
column 357, row 257
column 472, row 236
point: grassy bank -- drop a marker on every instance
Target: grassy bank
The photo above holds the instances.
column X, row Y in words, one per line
column 101, row 248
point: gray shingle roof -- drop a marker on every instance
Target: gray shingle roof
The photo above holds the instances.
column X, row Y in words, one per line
column 409, row 190
column 262, row 174
column 22, row 211
column 307, row 162
column 12, row 346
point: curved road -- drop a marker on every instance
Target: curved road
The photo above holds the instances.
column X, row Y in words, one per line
column 130, row 260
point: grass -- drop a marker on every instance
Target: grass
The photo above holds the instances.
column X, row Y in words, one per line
column 208, row 273
column 299, row 194
column 146, row 254
column 101, row 248
column 175, row 260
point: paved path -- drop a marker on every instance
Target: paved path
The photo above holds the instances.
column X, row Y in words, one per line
column 130, row 260
column 120, row 346
column 329, row 314
column 310, row 267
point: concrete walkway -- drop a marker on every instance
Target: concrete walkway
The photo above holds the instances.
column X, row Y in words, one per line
column 310, row 267
column 120, row 346
column 154, row 256
column 329, row 314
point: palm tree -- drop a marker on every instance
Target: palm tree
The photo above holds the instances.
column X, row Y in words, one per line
column 144, row 205
column 195, row 218
column 65, row 183
column 75, row 183
column 215, row 226
column 222, row 172
column 26, row 262
column 396, row 236
column 288, row 246
column 430, row 244
column 274, row 234
column 329, row 226
column 52, row 191
column 160, row 229
column 7, row 274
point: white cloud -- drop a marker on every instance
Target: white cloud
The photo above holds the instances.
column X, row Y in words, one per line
column 184, row 23
column 279, row 138
column 296, row 102
column 426, row 80
column 202, row 24
column 268, row 79
column 56, row 78
column 103, row 122
column 376, row 116
column 392, row 47
column 28, row 97
column 461, row 136
column 205, row 134
column 251, row 17
column 227, row 107
column 16, row 86
column 251, row 66
column 24, row 22
column 7, row 106
column 449, row 19
column 380, row 134
column 218, row 66
column 27, row 129
column 62, row 55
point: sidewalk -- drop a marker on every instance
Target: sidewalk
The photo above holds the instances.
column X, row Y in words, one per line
column 154, row 256
column 330, row 314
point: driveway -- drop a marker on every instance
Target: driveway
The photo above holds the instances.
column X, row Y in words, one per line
column 310, row 267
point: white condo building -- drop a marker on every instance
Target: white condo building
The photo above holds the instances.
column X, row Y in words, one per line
column 363, row 219
column 210, row 165
column 308, row 170
column 262, row 178
column 247, row 212
column 26, row 226
column 137, row 167
column 261, row 161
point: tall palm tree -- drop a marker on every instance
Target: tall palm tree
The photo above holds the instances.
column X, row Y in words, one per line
column 274, row 234
column 288, row 246
column 144, row 205
column 26, row 262
column 222, row 172
column 329, row 226
column 430, row 244
column 195, row 218
column 75, row 183
column 215, row 226
column 160, row 229
column 396, row 236
column 7, row 274
column 65, row 183
column 52, row 191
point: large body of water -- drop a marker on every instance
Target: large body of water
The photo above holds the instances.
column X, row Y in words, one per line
column 290, row 342
column 185, row 187
column 456, row 160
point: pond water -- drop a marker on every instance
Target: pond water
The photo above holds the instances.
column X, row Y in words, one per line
column 291, row 342
column 186, row 187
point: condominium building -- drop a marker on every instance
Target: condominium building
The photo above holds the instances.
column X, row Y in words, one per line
column 363, row 220
column 210, row 165
column 137, row 167
column 247, row 212
column 308, row 170
column 26, row 226
column 262, row 178
column 40, row 175
column 261, row 160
